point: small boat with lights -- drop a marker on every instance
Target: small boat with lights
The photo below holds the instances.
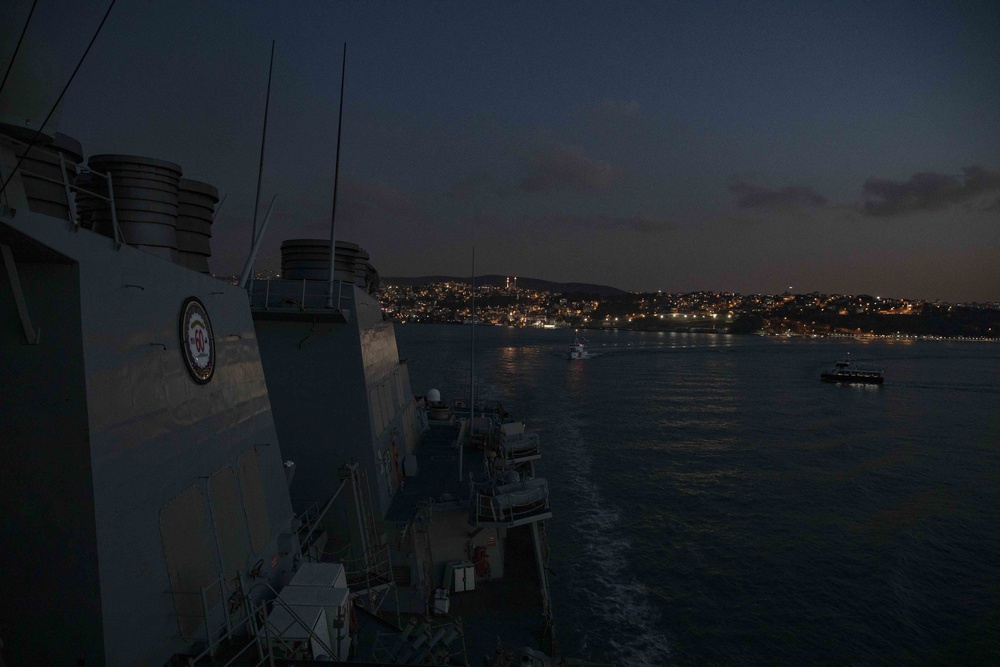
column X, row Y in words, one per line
column 847, row 372
column 578, row 350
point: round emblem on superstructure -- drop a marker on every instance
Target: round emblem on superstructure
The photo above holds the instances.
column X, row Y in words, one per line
column 197, row 341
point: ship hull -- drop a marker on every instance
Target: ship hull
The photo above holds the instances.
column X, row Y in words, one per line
column 135, row 485
column 840, row 378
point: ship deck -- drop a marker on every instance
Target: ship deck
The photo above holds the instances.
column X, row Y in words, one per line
column 508, row 608
column 437, row 473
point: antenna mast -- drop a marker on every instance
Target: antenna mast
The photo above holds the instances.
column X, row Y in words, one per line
column 336, row 181
column 472, row 369
column 260, row 167
column 38, row 132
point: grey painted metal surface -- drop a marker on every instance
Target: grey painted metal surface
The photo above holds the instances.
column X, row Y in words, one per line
column 105, row 427
column 43, row 174
column 136, row 490
column 195, row 209
column 309, row 259
column 145, row 192
column 339, row 394
column 47, row 510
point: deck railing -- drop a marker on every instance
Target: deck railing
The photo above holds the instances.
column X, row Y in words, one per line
column 510, row 504
column 296, row 295
column 253, row 631
column 520, row 448
column 421, row 642
column 107, row 195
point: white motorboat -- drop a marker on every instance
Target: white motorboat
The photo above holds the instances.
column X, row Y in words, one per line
column 578, row 350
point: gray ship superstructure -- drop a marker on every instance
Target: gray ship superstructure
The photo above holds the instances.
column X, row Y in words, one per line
column 341, row 400
column 340, row 392
column 141, row 461
column 396, row 508
column 148, row 511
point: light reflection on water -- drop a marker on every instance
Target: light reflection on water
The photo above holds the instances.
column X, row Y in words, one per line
column 715, row 503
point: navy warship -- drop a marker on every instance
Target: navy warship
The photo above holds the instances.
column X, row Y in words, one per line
column 198, row 473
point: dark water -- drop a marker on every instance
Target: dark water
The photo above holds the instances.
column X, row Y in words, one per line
column 715, row 503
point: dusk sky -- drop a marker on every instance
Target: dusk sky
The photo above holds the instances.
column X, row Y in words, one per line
column 676, row 146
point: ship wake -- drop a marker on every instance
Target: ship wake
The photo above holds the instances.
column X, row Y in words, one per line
column 625, row 623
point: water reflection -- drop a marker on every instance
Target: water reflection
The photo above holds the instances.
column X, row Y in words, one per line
column 576, row 378
column 710, row 488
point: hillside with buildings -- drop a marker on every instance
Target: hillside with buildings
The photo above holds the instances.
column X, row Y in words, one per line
column 502, row 301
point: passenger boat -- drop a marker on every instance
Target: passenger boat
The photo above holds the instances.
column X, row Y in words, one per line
column 847, row 372
column 578, row 350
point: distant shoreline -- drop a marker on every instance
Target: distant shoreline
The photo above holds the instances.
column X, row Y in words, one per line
column 721, row 332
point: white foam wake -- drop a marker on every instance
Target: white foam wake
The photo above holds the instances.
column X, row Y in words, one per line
column 624, row 624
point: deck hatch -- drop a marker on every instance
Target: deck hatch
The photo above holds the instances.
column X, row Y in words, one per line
column 187, row 549
column 228, row 520
column 254, row 499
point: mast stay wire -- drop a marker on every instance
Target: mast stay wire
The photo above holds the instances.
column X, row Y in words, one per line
column 17, row 48
column 38, row 132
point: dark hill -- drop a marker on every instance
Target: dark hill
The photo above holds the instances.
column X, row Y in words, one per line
column 500, row 281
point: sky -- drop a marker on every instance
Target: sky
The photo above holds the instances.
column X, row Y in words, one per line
column 841, row 147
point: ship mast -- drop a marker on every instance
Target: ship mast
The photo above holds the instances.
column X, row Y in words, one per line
column 263, row 143
column 336, row 180
column 256, row 236
column 472, row 369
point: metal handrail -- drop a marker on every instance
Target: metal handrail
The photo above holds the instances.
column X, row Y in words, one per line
column 298, row 621
column 522, row 447
column 73, row 187
column 388, row 646
column 313, row 523
column 233, row 617
column 488, row 506
column 249, row 621
column 307, row 299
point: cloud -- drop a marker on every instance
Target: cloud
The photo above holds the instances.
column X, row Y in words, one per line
column 750, row 195
column 638, row 224
column 568, row 169
column 927, row 191
column 618, row 108
column 613, row 112
column 360, row 204
column 467, row 187
column 475, row 185
column 378, row 200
